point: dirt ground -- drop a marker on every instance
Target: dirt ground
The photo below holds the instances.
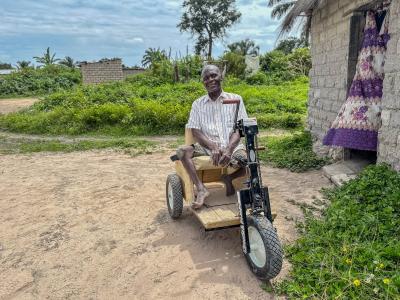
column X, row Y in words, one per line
column 94, row 225
column 12, row 105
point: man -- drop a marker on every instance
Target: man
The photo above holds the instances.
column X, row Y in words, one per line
column 212, row 123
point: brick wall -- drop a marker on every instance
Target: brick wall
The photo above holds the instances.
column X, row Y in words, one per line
column 102, row 71
column 329, row 76
column 132, row 71
column 389, row 134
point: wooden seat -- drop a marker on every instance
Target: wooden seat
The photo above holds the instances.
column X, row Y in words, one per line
column 206, row 171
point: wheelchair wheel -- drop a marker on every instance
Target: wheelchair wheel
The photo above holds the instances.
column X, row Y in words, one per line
column 266, row 255
column 174, row 193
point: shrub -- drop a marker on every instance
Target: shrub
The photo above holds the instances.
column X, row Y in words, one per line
column 144, row 105
column 293, row 152
column 29, row 81
column 353, row 252
column 300, row 61
column 259, row 78
column 235, row 64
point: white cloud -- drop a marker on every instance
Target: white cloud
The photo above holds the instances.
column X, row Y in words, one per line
column 109, row 27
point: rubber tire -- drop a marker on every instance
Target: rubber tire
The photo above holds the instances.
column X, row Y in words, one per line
column 273, row 248
column 177, row 191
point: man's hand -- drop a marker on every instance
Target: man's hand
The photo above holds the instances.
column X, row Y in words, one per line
column 216, row 155
column 225, row 158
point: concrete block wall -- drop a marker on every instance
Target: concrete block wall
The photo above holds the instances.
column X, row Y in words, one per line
column 330, row 38
column 132, row 71
column 102, row 71
column 389, row 134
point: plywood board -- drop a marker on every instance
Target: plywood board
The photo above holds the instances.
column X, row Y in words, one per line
column 219, row 210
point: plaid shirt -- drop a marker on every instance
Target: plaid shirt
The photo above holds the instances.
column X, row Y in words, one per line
column 215, row 119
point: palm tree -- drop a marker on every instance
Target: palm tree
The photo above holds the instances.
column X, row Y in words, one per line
column 68, row 62
column 47, row 59
column 152, row 55
column 23, row 64
column 290, row 10
column 244, row 47
column 280, row 7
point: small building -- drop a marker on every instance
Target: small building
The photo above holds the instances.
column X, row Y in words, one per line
column 6, row 72
column 336, row 36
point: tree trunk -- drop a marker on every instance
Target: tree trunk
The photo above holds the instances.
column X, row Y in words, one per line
column 210, row 42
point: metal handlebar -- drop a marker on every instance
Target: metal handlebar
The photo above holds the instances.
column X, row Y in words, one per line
column 231, row 101
column 237, row 102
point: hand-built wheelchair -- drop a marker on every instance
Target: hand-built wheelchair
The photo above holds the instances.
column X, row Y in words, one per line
column 250, row 209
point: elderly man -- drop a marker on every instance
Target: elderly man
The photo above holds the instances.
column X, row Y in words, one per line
column 212, row 127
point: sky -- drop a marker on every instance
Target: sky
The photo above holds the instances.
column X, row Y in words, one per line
column 91, row 30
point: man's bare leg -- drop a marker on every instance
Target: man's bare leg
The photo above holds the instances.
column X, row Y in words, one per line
column 186, row 159
column 227, row 180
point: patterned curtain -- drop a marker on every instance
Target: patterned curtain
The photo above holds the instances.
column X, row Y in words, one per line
column 359, row 118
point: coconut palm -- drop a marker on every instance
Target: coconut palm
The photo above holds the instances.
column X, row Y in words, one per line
column 280, row 7
column 47, row 59
column 68, row 62
column 291, row 10
column 152, row 55
column 23, row 64
column 244, row 47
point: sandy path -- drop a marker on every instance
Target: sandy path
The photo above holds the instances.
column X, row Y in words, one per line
column 94, row 225
column 12, row 105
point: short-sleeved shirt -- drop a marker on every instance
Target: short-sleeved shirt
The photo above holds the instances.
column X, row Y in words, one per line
column 215, row 119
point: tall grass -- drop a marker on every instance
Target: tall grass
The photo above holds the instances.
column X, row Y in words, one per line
column 146, row 105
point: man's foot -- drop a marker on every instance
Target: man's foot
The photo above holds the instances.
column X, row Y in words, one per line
column 201, row 196
column 227, row 180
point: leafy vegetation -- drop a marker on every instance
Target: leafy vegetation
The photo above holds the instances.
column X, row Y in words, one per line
column 208, row 20
column 353, row 252
column 5, row 66
column 29, row 82
column 69, row 62
column 146, row 105
column 244, row 47
column 293, row 152
column 47, row 58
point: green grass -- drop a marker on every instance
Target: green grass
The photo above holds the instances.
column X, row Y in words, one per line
column 41, row 81
column 292, row 151
column 134, row 107
column 353, row 251
column 21, row 145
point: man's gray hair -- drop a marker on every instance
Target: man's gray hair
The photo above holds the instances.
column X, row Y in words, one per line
column 208, row 67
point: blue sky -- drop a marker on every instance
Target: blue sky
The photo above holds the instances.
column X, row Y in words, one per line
column 91, row 30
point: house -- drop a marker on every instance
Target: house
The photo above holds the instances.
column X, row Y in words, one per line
column 336, row 36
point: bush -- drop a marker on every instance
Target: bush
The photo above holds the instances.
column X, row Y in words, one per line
column 144, row 104
column 259, row 78
column 235, row 64
column 300, row 61
column 279, row 66
column 353, row 252
column 292, row 152
column 33, row 82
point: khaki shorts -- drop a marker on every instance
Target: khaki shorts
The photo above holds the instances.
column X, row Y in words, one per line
column 238, row 159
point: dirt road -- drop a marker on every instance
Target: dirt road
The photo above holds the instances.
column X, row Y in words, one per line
column 12, row 105
column 94, row 225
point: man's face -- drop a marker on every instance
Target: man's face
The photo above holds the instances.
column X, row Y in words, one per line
column 212, row 80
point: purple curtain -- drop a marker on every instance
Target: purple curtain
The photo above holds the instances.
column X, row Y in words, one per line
column 359, row 118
